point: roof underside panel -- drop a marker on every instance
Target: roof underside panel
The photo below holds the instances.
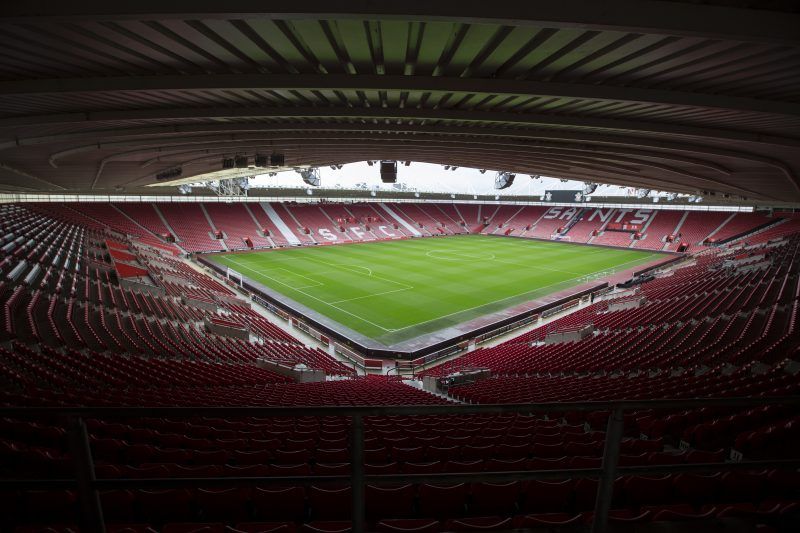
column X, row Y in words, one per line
column 670, row 96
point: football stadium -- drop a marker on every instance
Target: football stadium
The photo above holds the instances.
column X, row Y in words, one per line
column 399, row 266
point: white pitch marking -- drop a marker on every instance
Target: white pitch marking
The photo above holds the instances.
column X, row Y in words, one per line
column 371, row 295
column 506, row 298
column 350, row 267
column 315, row 298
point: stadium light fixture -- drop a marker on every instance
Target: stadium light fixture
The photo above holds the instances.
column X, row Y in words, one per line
column 447, row 167
column 535, row 176
column 453, row 168
column 185, row 189
column 408, row 163
column 672, row 196
column 504, row 180
column 589, row 188
column 482, row 171
column 642, row 193
column 310, row 176
column 370, row 163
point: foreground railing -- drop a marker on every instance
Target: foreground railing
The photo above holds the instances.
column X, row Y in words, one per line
column 88, row 486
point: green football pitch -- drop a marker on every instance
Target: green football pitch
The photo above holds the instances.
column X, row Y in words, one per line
column 392, row 291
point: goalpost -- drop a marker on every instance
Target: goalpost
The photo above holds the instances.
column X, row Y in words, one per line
column 597, row 275
column 231, row 274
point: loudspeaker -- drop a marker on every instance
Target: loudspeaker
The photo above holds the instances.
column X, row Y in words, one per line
column 389, row 171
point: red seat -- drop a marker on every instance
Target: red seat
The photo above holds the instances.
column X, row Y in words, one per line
column 341, row 455
column 333, row 526
column 411, row 455
column 129, row 528
column 251, row 457
column 442, row 501
column 281, row 503
column 56, row 506
column 290, row 470
column 389, row 502
column 505, row 465
column 417, row 525
column 463, row 466
column 549, row 451
column 742, row 486
column 484, row 523
column 159, row 506
column 117, row 505
column 332, row 469
column 376, row 455
column 330, row 502
column 679, row 513
column 585, row 462
column 265, row 527
column 696, row 488
column 189, row 527
column 541, row 495
column 548, row 520
column 646, row 489
column 477, row 453
column 494, row 498
column 385, row 468
column 440, row 453
column 291, row 457
column 702, row 456
column 422, row 468
column 666, row 458
column 223, row 504
column 209, row 457
column 512, row 451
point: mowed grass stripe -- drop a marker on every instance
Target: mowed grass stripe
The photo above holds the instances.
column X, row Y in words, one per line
column 396, row 290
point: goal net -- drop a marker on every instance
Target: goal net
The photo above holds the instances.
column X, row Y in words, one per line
column 596, row 275
column 234, row 276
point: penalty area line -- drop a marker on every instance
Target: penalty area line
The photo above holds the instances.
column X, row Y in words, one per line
column 320, row 300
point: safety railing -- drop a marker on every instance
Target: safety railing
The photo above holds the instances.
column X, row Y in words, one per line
column 88, row 485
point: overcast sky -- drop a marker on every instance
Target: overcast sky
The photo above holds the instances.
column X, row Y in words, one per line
column 430, row 178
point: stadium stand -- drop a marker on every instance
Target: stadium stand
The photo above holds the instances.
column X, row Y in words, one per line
column 237, row 225
column 73, row 335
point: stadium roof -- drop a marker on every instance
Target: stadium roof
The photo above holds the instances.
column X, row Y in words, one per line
column 668, row 95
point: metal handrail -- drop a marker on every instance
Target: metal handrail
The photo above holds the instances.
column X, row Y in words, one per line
column 88, row 485
column 394, row 410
